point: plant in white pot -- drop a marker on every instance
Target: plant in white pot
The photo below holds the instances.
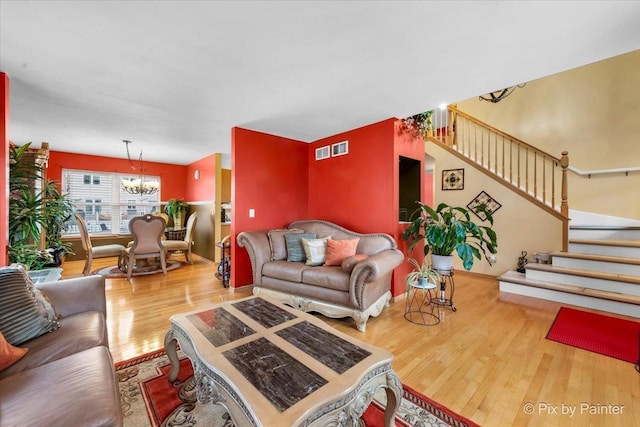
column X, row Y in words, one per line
column 447, row 229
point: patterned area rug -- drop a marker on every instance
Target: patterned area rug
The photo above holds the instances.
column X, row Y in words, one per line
column 114, row 272
column 148, row 399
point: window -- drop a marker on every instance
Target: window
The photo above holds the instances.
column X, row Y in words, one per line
column 89, row 179
column 99, row 198
column 88, row 206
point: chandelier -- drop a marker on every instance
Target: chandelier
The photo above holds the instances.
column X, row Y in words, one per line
column 499, row 95
column 138, row 185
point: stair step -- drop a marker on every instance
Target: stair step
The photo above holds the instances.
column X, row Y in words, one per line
column 606, row 247
column 517, row 283
column 597, row 280
column 604, row 232
column 604, row 263
column 608, row 242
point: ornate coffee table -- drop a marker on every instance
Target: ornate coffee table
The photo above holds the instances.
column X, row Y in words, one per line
column 269, row 364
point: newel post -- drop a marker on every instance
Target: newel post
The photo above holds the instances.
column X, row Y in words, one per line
column 451, row 128
column 564, row 164
column 564, row 206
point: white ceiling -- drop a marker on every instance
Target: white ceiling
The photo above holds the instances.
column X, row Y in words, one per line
column 175, row 76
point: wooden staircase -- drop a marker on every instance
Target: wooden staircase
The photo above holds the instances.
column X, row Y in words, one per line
column 596, row 272
column 599, row 265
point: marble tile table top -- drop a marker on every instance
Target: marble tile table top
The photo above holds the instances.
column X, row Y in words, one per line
column 270, row 364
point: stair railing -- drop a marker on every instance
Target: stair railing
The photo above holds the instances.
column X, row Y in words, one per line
column 533, row 173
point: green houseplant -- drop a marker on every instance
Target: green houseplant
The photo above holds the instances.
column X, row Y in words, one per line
column 175, row 208
column 420, row 125
column 447, row 229
column 58, row 210
column 33, row 212
column 422, row 273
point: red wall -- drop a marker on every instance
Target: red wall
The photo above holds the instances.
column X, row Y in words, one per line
column 269, row 174
column 173, row 177
column 406, row 145
column 356, row 190
column 4, row 159
column 204, row 188
column 283, row 182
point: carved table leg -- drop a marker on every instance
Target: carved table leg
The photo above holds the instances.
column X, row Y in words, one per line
column 170, row 348
column 394, row 397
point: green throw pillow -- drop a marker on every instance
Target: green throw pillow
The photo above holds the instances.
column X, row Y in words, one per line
column 22, row 315
column 295, row 251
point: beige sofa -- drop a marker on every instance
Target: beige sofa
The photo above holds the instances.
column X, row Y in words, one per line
column 67, row 377
column 358, row 290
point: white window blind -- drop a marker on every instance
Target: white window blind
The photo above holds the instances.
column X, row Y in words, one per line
column 99, row 198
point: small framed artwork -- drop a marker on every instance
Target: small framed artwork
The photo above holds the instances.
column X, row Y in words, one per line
column 453, row 179
column 490, row 204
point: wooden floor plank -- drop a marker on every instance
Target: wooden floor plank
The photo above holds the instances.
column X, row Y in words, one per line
column 485, row 361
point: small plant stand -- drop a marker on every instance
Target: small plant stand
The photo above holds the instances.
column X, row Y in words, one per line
column 419, row 305
column 446, row 277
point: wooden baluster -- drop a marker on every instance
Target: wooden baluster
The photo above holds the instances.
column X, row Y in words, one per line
column 553, row 184
column 511, row 161
column 482, row 148
column 475, row 142
column 503, row 159
column 544, row 179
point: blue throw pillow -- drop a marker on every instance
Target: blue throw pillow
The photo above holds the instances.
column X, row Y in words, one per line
column 295, row 251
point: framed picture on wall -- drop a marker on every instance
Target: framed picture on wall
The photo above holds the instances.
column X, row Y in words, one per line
column 453, row 179
column 490, row 204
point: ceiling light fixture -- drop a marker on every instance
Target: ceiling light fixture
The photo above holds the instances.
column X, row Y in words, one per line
column 499, row 95
column 138, row 185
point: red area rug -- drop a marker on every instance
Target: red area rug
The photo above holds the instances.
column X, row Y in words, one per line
column 607, row 335
column 148, row 399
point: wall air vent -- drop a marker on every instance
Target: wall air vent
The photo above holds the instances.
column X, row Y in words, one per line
column 340, row 148
column 322, row 153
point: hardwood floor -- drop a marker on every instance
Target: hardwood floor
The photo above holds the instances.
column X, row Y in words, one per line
column 488, row 361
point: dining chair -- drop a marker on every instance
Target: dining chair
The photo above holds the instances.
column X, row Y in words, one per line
column 185, row 244
column 100, row 251
column 147, row 232
column 164, row 216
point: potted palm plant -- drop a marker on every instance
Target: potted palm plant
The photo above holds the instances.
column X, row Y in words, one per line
column 447, row 229
column 176, row 208
column 35, row 213
column 58, row 210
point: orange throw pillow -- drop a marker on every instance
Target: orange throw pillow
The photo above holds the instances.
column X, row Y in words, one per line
column 337, row 250
column 9, row 354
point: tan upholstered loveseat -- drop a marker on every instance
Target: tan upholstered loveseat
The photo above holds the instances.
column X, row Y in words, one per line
column 67, row 377
column 352, row 289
